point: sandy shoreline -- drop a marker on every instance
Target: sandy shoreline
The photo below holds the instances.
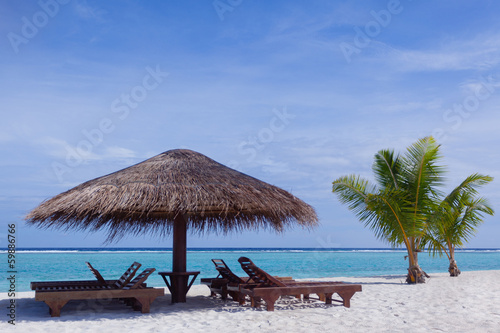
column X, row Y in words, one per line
column 469, row 303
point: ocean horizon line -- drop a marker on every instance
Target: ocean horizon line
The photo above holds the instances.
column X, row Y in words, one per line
column 228, row 249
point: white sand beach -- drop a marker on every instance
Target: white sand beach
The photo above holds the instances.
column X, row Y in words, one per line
column 469, row 303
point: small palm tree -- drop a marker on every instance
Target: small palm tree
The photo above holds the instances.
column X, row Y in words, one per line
column 456, row 219
column 398, row 208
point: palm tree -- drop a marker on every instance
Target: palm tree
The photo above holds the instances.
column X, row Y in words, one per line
column 398, row 207
column 456, row 219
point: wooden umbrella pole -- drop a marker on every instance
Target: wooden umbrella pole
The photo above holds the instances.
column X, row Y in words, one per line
column 179, row 249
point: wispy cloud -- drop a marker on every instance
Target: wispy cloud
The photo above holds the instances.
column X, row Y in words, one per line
column 86, row 11
column 481, row 53
column 472, row 86
column 119, row 152
column 61, row 150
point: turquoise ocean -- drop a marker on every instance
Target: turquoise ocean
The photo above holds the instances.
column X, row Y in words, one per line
column 36, row 264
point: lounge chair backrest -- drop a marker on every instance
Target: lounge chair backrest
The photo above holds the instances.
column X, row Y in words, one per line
column 258, row 275
column 139, row 279
column 225, row 272
column 96, row 273
column 127, row 276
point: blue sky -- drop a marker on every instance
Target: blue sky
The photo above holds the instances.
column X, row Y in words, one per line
column 296, row 93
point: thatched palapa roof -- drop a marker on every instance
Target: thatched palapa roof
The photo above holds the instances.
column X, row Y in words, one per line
column 146, row 198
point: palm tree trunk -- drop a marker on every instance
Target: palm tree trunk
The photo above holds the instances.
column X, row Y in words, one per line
column 453, row 268
column 415, row 273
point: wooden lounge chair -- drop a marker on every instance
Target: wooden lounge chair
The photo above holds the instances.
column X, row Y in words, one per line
column 122, row 281
column 218, row 285
column 135, row 292
column 99, row 283
column 269, row 289
column 226, row 273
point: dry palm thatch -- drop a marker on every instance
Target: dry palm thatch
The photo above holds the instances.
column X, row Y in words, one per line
column 147, row 197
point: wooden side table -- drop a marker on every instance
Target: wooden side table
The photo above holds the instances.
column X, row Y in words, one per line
column 179, row 284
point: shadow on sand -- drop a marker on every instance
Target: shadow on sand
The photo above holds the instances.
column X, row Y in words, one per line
column 29, row 310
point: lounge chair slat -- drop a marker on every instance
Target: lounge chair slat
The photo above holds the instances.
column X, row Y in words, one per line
column 96, row 273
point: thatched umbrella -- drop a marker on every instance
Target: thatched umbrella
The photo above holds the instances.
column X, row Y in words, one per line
column 169, row 193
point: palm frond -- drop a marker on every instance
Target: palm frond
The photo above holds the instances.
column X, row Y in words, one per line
column 457, row 220
column 387, row 169
column 466, row 225
column 353, row 191
column 422, row 174
column 468, row 186
column 391, row 216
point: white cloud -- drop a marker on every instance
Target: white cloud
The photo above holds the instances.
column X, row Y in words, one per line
column 481, row 53
column 478, row 86
column 61, row 149
column 119, row 152
column 84, row 150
